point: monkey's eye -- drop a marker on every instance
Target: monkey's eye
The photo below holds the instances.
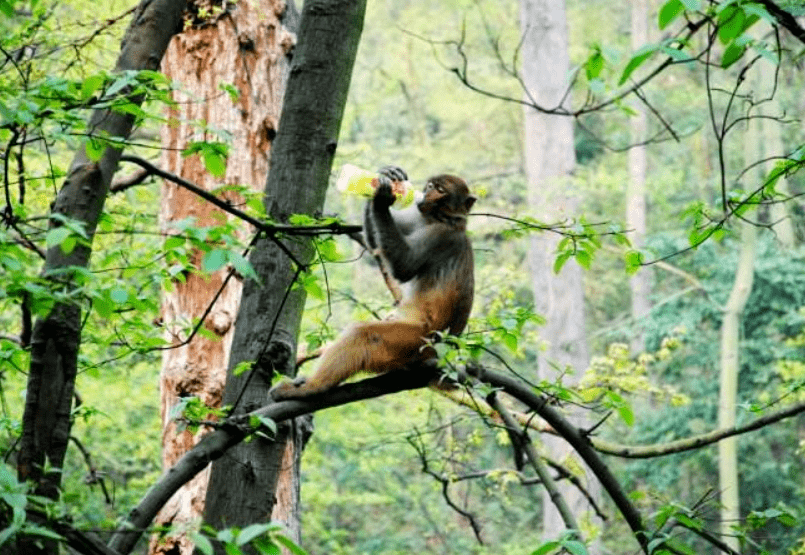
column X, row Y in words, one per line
column 439, row 187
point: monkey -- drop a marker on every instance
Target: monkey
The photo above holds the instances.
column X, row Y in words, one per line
column 426, row 249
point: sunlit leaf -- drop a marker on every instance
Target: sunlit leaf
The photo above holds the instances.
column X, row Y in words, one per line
column 668, row 12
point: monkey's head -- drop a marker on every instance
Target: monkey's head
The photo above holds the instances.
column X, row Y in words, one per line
column 446, row 196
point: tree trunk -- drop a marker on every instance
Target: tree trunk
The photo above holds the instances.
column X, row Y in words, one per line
column 729, row 493
column 728, row 485
column 247, row 47
column 770, row 130
column 639, row 283
column 56, row 337
column 243, row 484
column 549, row 162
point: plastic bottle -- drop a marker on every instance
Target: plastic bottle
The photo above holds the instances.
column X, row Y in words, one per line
column 358, row 181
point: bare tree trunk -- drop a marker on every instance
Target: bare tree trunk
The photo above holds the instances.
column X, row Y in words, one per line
column 549, row 162
column 56, row 337
column 246, row 47
column 729, row 492
column 770, row 130
column 243, row 484
column 640, row 283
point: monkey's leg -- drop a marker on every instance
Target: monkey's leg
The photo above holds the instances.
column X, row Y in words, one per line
column 367, row 347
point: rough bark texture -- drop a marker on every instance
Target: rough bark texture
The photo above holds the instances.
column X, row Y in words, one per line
column 639, row 283
column 248, row 47
column 243, row 484
column 549, row 162
column 56, row 338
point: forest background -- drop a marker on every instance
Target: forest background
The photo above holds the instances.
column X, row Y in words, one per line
column 414, row 472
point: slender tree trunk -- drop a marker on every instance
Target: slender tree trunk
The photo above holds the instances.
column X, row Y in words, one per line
column 246, row 47
column 772, row 144
column 728, row 393
column 549, row 162
column 56, row 337
column 729, row 491
column 243, row 484
column 640, row 283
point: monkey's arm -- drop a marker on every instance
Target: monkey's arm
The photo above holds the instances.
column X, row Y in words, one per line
column 404, row 256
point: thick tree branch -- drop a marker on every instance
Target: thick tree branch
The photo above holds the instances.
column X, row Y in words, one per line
column 576, row 438
column 238, row 427
column 235, row 429
column 784, row 18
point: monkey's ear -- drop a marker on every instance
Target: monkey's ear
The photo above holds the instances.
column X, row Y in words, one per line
column 469, row 202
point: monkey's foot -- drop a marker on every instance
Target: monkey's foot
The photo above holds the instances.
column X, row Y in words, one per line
column 288, row 389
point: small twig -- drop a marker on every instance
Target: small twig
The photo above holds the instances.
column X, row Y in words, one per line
column 416, row 442
column 93, row 477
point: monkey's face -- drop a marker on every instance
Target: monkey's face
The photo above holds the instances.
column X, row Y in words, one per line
column 447, row 194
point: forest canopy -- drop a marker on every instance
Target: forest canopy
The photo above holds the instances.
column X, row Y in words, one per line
column 631, row 378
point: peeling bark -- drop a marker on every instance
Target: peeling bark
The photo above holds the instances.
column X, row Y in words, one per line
column 248, row 47
column 243, row 485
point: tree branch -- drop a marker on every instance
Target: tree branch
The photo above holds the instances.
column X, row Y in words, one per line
column 784, row 18
column 536, row 462
column 238, row 427
column 688, row 444
column 576, row 438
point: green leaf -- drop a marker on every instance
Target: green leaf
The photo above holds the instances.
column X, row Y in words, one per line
column 637, row 60
column 732, row 54
column 560, row 261
column 252, row 531
column 268, row 423
column 232, row 90
column 95, row 148
column 623, row 408
column 633, row 260
column 688, row 522
column 214, row 260
column 174, row 242
column 202, row 542
column 594, row 65
column 119, row 295
column 288, row 544
column 7, row 8
column 215, row 163
column 92, row 84
column 575, row 547
column 668, row 12
column 241, row 367
column 57, row 236
column 510, row 340
column 584, row 258
column 545, row 548
column 730, row 23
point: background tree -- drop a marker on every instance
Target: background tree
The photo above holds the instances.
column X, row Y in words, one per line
column 76, row 210
column 550, row 160
column 244, row 483
column 231, row 61
column 413, row 472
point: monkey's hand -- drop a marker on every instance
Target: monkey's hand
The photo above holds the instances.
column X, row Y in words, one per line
column 384, row 194
column 394, row 173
